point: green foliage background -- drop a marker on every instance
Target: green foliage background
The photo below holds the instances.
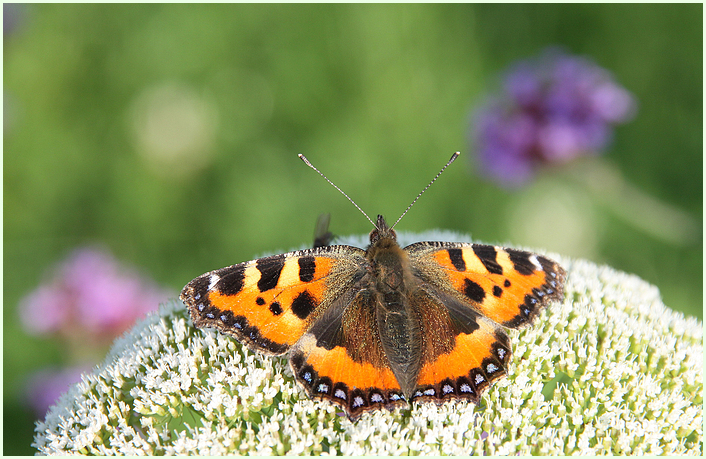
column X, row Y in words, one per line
column 377, row 96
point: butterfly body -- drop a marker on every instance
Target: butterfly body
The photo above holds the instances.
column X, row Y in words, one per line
column 391, row 286
column 380, row 327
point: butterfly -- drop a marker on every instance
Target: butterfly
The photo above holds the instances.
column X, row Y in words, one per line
column 382, row 326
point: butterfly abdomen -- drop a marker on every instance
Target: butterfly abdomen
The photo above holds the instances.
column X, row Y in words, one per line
column 400, row 337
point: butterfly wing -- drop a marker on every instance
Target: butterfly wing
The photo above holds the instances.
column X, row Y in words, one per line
column 466, row 292
column 506, row 285
column 462, row 351
column 341, row 358
column 269, row 303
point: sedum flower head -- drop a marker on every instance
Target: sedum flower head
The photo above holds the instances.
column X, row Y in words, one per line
column 610, row 370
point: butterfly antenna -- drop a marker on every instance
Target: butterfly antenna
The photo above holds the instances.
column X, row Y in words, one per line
column 453, row 158
column 306, row 161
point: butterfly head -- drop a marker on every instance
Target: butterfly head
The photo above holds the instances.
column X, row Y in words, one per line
column 382, row 231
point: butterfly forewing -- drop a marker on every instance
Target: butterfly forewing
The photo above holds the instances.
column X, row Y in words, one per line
column 507, row 286
column 269, row 303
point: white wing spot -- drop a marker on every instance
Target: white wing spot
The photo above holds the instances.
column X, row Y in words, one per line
column 535, row 262
column 213, row 280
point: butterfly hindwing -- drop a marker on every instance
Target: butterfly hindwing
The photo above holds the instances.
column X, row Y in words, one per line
column 507, row 286
column 463, row 352
column 341, row 358
column 269, row 303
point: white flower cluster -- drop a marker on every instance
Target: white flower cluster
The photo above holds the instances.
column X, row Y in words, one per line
column 611, row 370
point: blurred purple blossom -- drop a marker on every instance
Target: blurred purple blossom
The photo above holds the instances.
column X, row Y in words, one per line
column 554, row 108
column 90, row 299
column 90, row 294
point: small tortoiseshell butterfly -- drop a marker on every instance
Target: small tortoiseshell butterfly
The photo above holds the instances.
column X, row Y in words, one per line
column 378, row 327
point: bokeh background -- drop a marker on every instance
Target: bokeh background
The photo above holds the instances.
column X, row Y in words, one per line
column 159, row 142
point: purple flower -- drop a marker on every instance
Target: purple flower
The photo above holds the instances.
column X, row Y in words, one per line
column 90, row 294
column 90, row 299
column 45, row 309
column 553, row 109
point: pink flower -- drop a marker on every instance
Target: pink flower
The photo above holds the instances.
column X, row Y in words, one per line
column 92, row 294
column 90, row 299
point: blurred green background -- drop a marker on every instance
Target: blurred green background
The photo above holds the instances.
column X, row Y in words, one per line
column 169, row 133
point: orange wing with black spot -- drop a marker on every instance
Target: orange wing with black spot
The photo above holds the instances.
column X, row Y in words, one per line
column 508, row 286
column 470, row 292
column 269, row 303
column 341, row 358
